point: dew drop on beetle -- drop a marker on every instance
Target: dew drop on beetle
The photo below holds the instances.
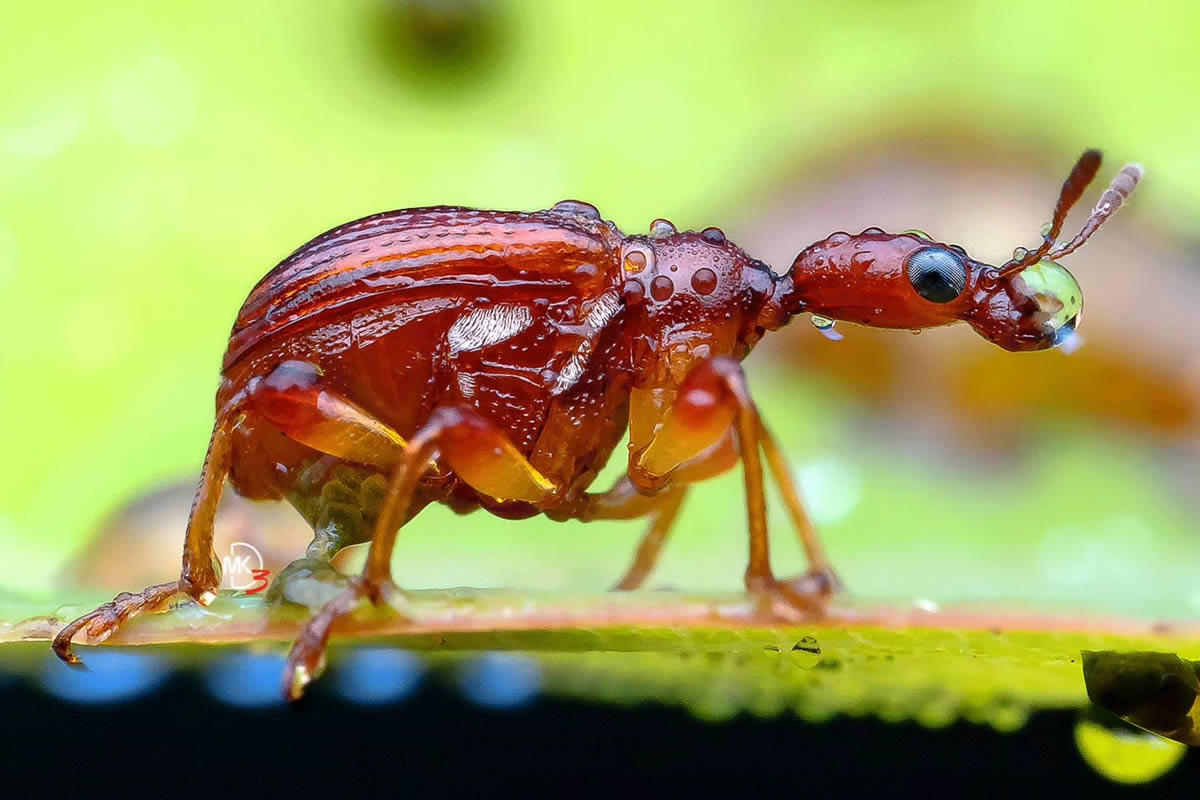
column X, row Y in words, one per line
column 826, row 326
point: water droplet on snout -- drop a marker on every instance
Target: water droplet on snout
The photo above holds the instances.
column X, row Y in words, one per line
column 1046, row 230
column 825, row 326
column 1019, row 253
column 1071, row 343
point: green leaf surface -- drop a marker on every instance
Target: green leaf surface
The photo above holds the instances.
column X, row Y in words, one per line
column 715, row 654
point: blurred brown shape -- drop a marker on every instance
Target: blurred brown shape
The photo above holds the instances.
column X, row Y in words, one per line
column 1155, row 691
column 1138, row 368
column 439, row 46
column 139, row 543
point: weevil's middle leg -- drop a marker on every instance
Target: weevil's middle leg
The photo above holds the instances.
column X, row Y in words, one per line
column 623, row 501
column 480, row 454
column 651, row 544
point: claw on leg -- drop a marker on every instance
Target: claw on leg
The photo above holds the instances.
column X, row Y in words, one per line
column 799, row 599
column 821, row 582
column 306, row 660
column 101, row 623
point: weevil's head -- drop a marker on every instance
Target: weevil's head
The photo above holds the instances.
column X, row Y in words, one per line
column 1035, row 308
column 911, row 281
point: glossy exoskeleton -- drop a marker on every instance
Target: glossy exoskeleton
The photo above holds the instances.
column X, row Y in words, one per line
column 492, row 359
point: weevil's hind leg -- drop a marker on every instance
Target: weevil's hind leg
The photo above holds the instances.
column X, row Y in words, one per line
column 712, row 397
column 199, row 578
column 292, row 399
column 480, row 454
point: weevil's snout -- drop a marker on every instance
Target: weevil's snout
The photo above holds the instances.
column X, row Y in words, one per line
column 906, row 281
column 1038, row 308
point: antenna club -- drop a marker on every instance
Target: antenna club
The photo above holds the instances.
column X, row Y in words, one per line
column 1129, row 177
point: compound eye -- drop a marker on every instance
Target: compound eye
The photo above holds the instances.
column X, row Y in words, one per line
column 937, row 274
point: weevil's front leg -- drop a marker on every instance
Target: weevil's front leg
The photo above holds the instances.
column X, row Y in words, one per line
column 713, row 397
column 199, row 576
column 821, row 574
column 480, row 454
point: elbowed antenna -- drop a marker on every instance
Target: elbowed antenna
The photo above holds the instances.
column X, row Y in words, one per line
column 1112, row 199
column 1073, row 187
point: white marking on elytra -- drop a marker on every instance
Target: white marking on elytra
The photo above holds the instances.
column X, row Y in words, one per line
column 466, row 384
column 488, row 325
column 572, row 371
column 605, row 307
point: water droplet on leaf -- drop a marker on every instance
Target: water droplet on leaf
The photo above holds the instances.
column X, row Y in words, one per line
column 805, row 653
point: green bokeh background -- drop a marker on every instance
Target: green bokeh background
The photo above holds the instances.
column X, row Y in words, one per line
column 156, row 159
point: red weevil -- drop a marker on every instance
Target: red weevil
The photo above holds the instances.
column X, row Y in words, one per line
column 492, row 359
